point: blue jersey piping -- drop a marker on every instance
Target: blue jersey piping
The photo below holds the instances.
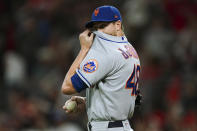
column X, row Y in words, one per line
column 84, row 78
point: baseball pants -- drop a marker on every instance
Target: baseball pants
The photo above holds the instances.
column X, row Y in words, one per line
column 110, row 126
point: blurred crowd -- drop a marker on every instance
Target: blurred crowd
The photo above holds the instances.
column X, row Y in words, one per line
column 39, row 41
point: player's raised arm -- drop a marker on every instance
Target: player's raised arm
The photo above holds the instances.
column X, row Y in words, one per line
column 86, row 41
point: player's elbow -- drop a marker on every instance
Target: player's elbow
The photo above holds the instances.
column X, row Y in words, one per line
column 67, row 89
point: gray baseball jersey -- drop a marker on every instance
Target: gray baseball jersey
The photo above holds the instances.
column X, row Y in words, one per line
column 111, row 71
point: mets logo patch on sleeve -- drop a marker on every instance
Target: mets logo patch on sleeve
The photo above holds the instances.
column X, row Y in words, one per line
column 90, row 66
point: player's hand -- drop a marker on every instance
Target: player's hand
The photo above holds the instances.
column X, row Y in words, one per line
column 80, row 104
column 86, row 39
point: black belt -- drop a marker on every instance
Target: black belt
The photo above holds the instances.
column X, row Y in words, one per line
column 115, row 124
column 111, row 124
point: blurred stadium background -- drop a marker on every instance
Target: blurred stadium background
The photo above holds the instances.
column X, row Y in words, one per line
column 39, row 41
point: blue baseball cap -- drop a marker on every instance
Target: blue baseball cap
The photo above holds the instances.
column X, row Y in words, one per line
column 104, row 14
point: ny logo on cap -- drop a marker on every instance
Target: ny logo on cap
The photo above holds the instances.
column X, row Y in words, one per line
column 96, row 11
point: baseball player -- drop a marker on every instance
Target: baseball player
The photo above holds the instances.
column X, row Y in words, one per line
column 108, row 67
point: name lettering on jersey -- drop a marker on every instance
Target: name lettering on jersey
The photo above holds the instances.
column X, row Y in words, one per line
column 90, row 66
column 128, row 51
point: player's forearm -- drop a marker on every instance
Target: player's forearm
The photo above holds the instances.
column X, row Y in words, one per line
column 67, row 87
column 86, row 41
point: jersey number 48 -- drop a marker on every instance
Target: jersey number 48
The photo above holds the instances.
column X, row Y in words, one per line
column 132, row 82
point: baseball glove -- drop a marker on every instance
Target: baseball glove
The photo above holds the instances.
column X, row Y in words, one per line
column 138, row 100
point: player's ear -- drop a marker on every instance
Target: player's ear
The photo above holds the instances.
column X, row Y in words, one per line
column 118, row 25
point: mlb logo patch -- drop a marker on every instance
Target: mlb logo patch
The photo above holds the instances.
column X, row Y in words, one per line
column 90, row 66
